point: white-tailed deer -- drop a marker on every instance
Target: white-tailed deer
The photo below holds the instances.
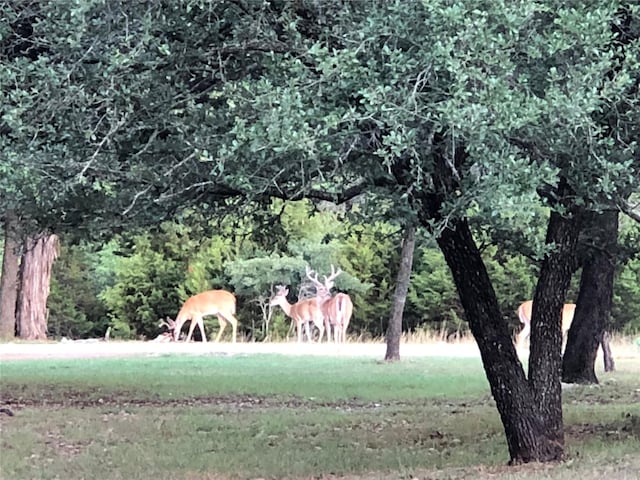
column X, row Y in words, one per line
column 336, row 310
column 212, row 302
column 301, row 313
column 524, row 314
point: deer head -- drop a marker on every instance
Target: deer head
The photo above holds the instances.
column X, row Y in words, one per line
column 281, row 292
column 170, row 324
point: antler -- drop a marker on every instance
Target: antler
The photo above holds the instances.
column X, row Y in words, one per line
column 329, row 281
column 314, row 278
column 166, row 336
column 323, row 288
column 169, row 323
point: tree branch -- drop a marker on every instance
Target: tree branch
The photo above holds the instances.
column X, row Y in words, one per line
column 632, row 211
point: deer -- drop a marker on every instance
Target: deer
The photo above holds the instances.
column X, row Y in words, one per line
column 301, row 312
column 336, row 310
column 524, row 314
column 211, row 302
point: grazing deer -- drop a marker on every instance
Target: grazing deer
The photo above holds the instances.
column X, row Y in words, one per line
column 336, row 310
column 212, row 302
column 301, row 312
column 524, row 314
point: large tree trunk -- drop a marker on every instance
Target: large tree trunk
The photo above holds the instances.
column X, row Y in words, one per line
column 9, row 284
column 35, row 274
column 594, row 301
column 545, row 359
column 527, row 435
column 394, row 330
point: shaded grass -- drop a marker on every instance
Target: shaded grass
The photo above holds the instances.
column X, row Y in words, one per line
column 317, row 417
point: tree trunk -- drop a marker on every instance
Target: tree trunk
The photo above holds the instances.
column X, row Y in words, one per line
column 527, row 435
column 9, row 284
column 545, row 358
column 35, row 274
column 609, row 364
column 394, row 330
column 594, row 300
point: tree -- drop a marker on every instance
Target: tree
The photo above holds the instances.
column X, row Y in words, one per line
column 9, row 286
column 35, row 271
column 394, row 330
column 593, row 306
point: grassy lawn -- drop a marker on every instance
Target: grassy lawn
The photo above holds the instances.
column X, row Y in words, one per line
column 272, row 416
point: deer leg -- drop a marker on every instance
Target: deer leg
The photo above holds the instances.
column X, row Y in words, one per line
column 327, row 326
column 200, row 324
column 306, row 330
column 299, row 330
column 223, row 325
column 192, row 327
column 234, row 327
column 320, row 326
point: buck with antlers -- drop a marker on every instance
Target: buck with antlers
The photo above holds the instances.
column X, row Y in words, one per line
column 336, row 310
column 302, row 312
column 212, row 302
column 524, row 314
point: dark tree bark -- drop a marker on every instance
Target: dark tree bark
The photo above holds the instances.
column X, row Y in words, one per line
column 528, row 437
column 9, row 284
column 593, row 307
column 523, row 410
column 394, row 330
column 545, row 358
column 35, row 274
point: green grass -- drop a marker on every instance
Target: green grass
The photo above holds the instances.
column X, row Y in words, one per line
column 319, row 377
column 270, row 416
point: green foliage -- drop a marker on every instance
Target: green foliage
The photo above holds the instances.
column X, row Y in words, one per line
column 626, row 301
column 432, row 295
column 146, row 280
column 74, row 308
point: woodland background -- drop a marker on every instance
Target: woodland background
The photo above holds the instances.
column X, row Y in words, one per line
column 136, row 278
column 155, row 139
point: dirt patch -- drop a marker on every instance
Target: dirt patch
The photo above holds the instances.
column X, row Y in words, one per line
column 15, row 397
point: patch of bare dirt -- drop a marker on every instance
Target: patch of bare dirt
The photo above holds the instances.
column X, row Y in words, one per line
column 16, row 396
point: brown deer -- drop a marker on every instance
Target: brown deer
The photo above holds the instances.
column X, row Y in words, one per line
column 524, row 314
column 212, row 302
column 336, row 310
column 301, row 312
